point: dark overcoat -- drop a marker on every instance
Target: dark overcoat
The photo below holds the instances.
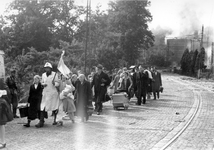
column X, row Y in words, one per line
column 144, row 82
column 137, row 84
column 157, row 82
column 34, row 99
column 83, row 96
column 5, row 107
column 140, row 83
column 99, row 90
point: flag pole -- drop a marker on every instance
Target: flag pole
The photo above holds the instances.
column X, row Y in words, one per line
column 63, row 52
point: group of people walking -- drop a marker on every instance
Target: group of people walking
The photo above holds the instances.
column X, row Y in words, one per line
column 75, row 92
column 140, row 82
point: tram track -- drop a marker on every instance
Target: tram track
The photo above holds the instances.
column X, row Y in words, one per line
column 172, row 136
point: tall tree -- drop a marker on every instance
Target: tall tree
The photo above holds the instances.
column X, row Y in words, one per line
column 193, row 61
column 130, row 19
column 185, row 62
column 41, row 24
column 199, row 65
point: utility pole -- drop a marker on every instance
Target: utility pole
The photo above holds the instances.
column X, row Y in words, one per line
column 201, row 45
column 202, row 36
column 86, row 35
column 212, row 55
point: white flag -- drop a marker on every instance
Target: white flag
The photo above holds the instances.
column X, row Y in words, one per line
column 62, row 67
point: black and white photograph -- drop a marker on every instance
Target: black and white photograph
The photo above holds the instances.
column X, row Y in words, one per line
column 106, row 75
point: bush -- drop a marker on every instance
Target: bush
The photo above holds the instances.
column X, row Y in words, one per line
column 158, row 60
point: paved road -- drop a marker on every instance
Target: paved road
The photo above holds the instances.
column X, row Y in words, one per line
column 145, row 127
column 200, row 133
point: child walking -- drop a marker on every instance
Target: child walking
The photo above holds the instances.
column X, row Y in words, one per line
column 67, row 98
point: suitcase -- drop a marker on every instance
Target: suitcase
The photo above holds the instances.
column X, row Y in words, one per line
column 23, row 110
column 120, row 100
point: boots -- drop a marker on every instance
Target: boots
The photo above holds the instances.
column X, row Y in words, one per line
column 27, row 124
column 40, row 124
column 55, row 112
column 158, row 94
column 154, row 93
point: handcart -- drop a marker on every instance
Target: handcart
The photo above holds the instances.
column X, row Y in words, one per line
column 120, row 100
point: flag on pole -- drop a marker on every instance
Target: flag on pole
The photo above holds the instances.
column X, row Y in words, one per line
column 62, row 67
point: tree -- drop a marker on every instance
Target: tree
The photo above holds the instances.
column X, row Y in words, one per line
column 40, row 24
column 185, row 62
column 28, row 27
column 193, row 61
column 158, row 59
column 130, row 18
column 199, row 65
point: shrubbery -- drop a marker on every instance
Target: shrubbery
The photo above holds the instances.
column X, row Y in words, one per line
column 192, row 61
column 158, row 60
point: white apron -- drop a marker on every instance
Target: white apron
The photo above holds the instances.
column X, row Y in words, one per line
column 50, row 95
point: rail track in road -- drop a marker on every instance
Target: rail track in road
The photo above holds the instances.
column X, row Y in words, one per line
column 167, row 141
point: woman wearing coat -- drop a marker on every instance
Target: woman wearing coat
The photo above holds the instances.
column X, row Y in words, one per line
column 6, row 114
column 34, row 99
column 126, row 84
column 156, row 83
column 50, row 94
column 116, row 80
column 83, row 96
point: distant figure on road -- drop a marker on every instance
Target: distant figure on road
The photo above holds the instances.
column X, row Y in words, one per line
column 156, row 83
column 34, row 99
column 100, row 82
column 11, row 82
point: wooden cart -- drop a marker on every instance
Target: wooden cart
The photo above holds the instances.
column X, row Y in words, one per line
column 120, row 100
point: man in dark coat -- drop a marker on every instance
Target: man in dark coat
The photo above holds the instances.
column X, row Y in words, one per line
column 12, row 85
column 144, row 82
column 140, row 83
column 156, row 83
column 83, row 97
column 137, row 85
column 100, row 82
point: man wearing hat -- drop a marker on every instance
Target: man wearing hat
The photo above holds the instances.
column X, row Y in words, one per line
column 50, row 95
column 100, row 82
column 12, row 85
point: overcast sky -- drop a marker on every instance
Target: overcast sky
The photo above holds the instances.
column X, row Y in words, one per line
column 180, row 16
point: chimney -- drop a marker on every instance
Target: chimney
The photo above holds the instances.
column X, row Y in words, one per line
column 196, row 34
